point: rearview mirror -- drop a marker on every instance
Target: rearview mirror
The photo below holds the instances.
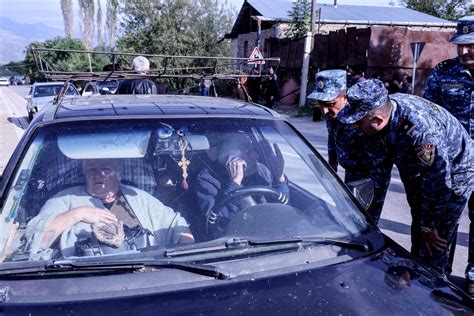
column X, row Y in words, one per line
column 363, row 190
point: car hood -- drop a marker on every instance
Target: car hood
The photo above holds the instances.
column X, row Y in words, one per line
column 387, row 282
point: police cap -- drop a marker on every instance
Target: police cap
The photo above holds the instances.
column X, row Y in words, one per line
column 464, row 31
column 329, row 83
column 363, row 97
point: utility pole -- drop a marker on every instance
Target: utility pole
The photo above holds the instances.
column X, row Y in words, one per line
column 307, row 51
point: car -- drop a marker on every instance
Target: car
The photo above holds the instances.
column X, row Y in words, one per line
column 42, row 93
column 99, row 87
column 4, row 81
column 18, row 80
column 309, row 250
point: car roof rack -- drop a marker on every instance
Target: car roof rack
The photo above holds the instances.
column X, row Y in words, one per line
column 161, row 66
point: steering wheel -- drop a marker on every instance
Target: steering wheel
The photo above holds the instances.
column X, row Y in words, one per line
column 214, row 214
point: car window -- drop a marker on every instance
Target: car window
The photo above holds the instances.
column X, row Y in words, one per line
column 173, row 177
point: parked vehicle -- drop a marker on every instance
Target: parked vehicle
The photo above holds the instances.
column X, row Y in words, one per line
column 4, row 81
column 319, row 253
column 99, row 87
column 298, row 242
column 43, row 92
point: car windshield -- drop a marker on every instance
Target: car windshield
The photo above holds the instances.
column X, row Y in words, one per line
column 51, row 90
column 107, row 187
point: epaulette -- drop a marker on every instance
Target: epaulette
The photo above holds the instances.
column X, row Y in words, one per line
column 446, row 64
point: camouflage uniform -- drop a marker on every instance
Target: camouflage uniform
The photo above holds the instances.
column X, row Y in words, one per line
column 352, row 150
column 451, row 85
column 349, row 148
column 433, row 153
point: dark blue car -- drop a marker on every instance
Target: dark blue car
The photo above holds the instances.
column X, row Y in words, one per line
column 123, row 205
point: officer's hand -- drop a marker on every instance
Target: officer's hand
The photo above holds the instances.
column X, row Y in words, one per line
column 433, row 242
column 276, row 161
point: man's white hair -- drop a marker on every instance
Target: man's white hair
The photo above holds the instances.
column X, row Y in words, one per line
column 141, row 64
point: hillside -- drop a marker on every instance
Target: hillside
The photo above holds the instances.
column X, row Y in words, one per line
column 16, row 36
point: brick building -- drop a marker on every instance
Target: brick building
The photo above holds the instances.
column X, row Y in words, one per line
column 377, row 38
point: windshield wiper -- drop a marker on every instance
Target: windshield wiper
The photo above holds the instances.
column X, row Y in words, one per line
column 71, row 266
column 243, row 243
column 318, row 240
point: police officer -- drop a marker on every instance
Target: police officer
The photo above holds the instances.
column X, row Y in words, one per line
column 346, row 146
column 433, row 153
column 451, row 85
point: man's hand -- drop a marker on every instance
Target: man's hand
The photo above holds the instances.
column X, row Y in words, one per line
column 275, row 159
column 235, row 168
column 433, row 242
column 93, row 215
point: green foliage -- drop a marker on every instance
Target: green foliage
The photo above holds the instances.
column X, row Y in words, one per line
column 300, row 18
column 176, row 27
column 445, row 9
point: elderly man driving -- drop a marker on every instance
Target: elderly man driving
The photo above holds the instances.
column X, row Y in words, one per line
column 106, row 210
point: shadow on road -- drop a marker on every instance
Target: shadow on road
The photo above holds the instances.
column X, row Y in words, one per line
column 19, row 121
column 397, row 227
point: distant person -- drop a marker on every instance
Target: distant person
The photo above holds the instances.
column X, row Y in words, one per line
column 355, row 74
column 451, row 85
column 272, row 88
column 141, row 65
column 254, row 85
column 205, row 87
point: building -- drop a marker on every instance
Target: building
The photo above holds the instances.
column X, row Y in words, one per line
column 376, row 38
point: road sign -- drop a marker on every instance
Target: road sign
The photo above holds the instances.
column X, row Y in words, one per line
column 416, row 49
column 256, row 57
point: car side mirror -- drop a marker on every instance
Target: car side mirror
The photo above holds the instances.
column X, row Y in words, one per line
column 27, row 97
column 363, row 190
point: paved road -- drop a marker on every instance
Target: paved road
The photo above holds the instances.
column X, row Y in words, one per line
column 395, row 220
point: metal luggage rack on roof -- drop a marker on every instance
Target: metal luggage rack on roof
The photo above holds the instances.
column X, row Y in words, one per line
column 112, row 67
column 107, row 66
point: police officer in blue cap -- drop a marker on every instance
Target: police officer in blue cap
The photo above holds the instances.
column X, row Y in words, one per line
column 451, row 85
column 433, row 153
column 346, row 144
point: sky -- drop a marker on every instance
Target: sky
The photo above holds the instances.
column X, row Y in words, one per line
column 49, row 11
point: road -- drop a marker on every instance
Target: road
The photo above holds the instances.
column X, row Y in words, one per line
column 395, row 220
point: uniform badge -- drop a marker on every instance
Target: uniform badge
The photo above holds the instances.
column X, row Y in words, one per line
column 426, row 153
column 320, row 84
column 465, row 29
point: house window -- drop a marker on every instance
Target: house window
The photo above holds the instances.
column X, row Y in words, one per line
column 246, row 48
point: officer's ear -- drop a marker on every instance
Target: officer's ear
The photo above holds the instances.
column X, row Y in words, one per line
column 378, row 120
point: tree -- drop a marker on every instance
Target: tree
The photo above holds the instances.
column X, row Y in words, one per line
column 176, row 27
column 62, row 61
column 86, row 12
column 68, row 16
column 100, row 37
column 445, row 9
column 300, row 16
column 111, row 21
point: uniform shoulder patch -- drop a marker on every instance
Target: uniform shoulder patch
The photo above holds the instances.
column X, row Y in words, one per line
column 426, row 154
